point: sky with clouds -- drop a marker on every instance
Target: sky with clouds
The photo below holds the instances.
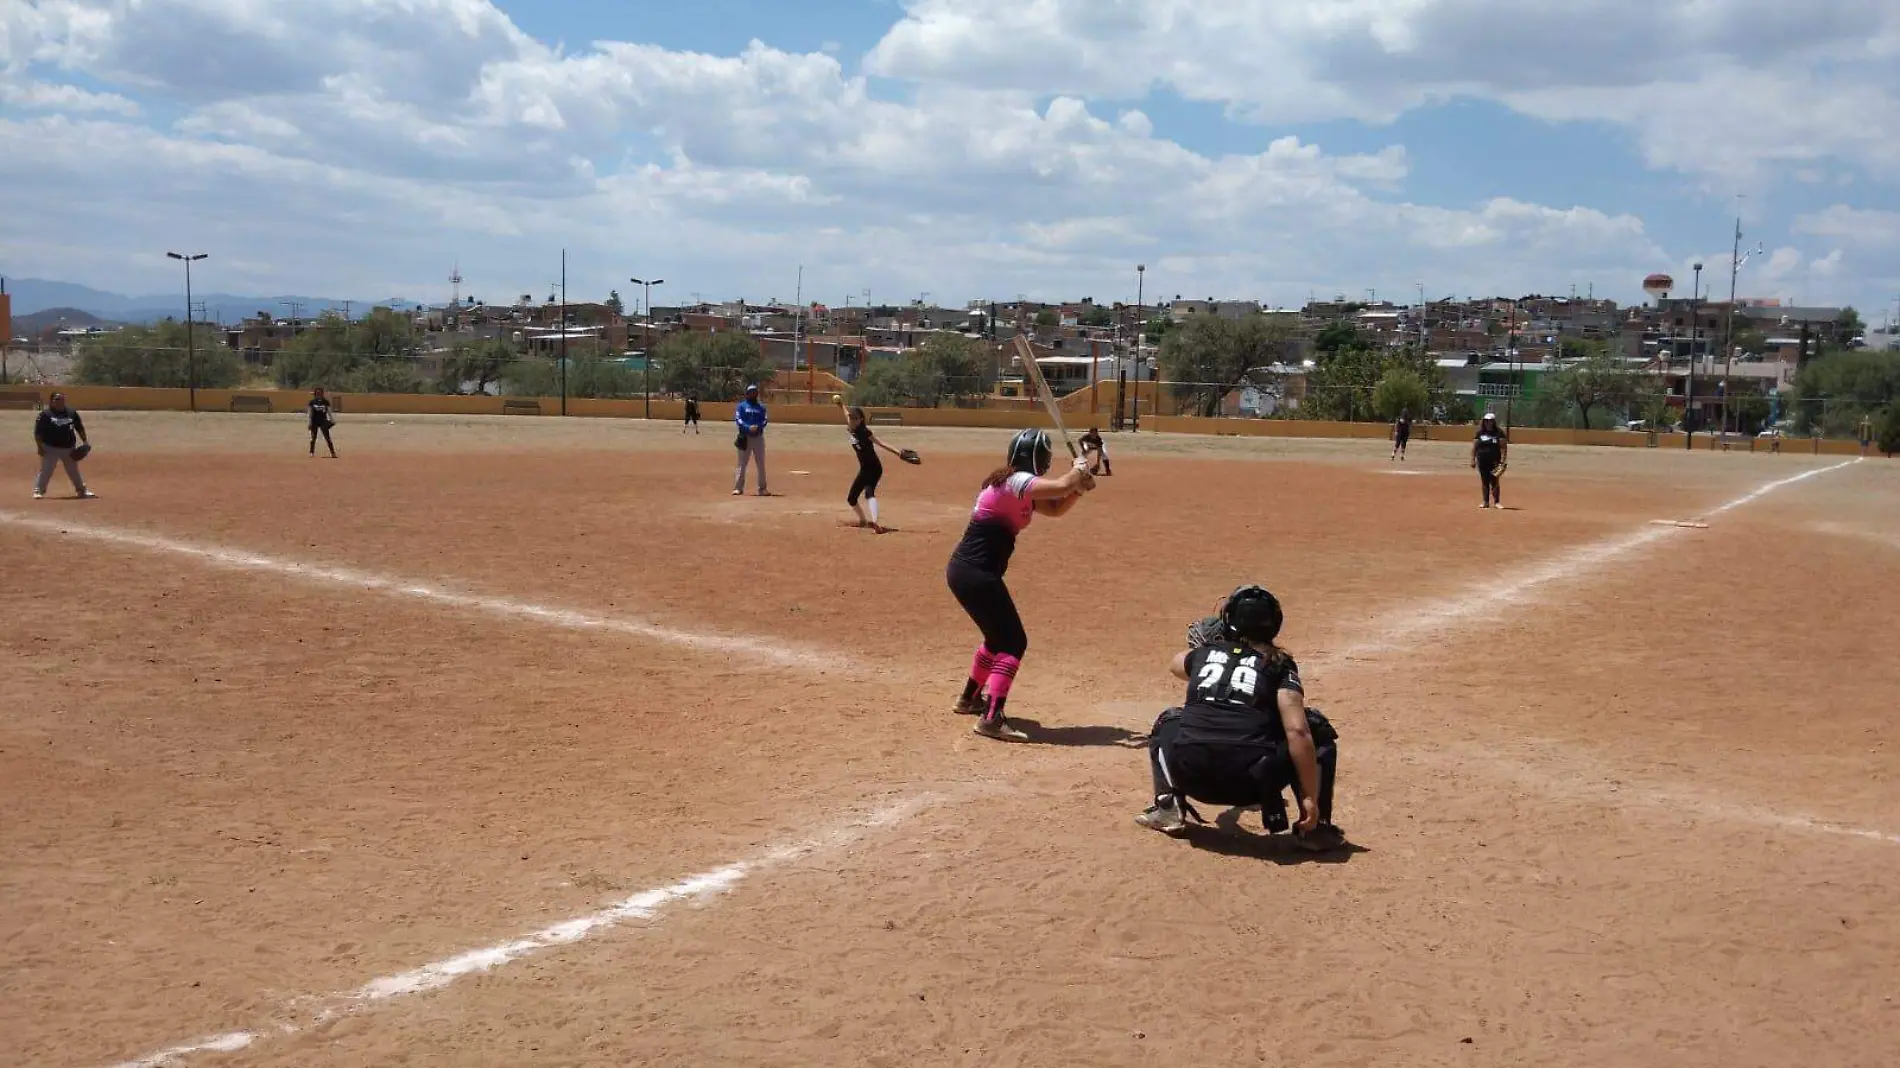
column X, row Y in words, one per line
column 1266, row 149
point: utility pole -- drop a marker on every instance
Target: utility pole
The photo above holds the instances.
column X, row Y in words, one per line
column 1728, row 328
column 798, row 317
column 1141, row 280
column 191, row 348
column 647, row 363
column 563, row 331
column 1688, row 399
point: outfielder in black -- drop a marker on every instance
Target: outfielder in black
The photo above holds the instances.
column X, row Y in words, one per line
column 1244, row 734
column 1401, row 433
column 692, row 415
column 321, row 420
column 1489, row 450
column 1092, row 443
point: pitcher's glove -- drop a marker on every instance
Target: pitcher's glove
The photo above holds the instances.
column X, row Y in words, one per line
column 1209, row 631
column 84, row 450
column 910, row 456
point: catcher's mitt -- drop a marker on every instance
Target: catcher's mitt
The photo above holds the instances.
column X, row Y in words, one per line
column 84, row 450
column 910, row 456
column 1209, row 631
column 1498, row 471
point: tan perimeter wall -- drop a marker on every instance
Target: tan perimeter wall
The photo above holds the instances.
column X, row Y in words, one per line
column 115, row 398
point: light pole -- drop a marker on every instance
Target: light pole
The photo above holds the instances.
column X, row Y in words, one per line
column 1737, row 258
column 1141, row 279
column 563, row 331
column 191, row 349
column 646, row 362
column 1688, row 397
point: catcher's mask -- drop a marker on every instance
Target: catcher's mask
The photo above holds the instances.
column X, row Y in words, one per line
column 1253, row 614
column 1030, row 451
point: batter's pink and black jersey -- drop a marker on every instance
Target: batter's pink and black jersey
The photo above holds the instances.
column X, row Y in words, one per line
column 1001, row 513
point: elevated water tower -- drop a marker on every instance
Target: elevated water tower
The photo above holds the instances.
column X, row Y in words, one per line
column 1658, row 287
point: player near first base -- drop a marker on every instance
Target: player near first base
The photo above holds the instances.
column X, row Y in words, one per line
column 1012, row 495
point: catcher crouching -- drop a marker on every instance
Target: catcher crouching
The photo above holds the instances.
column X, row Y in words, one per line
column 1244, row 735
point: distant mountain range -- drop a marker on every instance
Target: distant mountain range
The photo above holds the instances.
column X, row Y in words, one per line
column 32, row 295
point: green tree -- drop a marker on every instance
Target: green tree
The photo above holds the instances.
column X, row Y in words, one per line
column 944, row 366
column 1046, row 318
column 157, row 355
column 474, row 366
column 1157, row 328
column 1598, row 380
column 1657, row 413
column 1096, row 315
column 1839, row 388
column 614, row 304
column 1888, row 437
column 1400, row 390
column 1340, row 384
column 1848, row 326
column 350, row 356
column 712, row 367
column 1336, row 337
column 1207, row 357
column 1748, row 413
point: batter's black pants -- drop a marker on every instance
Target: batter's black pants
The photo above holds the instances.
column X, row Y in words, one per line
column 990, row 607
column 866, row 483
column 1232, row 774
column 323, row 429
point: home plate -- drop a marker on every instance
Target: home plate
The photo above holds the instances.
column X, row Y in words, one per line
column 1679, row 523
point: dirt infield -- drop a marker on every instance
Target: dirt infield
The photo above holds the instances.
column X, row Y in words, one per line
column 284, row 738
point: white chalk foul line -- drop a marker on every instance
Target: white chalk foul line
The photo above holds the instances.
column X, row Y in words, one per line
column 242, row 560
column 1403, row 629
column 647, row 905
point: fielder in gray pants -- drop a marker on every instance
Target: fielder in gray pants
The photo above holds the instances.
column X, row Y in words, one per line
column 56, row 433
column 749, row 416
column 751, row 447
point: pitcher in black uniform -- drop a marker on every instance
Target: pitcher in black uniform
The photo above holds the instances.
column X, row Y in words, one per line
column 870, row 468
column 1244, row 734
column 1401, row 433
column 1489, row 450
column 321, row 420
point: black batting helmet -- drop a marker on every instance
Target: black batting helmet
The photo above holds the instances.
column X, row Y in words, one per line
column 1030, row 451
column 1252, row 614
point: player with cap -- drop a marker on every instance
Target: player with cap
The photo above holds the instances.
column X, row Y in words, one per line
column 59, row 436
column 749, row 415
column 1490, row 450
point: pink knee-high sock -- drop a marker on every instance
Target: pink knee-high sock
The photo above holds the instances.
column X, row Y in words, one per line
column 1002, row 675
column 979, row 672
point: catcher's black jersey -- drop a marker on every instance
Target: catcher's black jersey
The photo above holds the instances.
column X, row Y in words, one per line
column 1233, row 695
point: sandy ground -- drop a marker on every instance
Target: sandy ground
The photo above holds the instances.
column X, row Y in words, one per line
column 1620, row 794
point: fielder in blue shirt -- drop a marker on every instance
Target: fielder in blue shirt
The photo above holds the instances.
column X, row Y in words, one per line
column 751, row 420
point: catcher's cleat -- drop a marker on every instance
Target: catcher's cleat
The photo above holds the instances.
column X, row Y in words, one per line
column 1165, row 815
column 998, row 727
column 1320, row 839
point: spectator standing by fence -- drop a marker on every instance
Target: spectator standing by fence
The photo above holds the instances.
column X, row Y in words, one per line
column 59, row 435
column 751, row 419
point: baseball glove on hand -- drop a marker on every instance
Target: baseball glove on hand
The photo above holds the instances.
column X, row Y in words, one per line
column 1498, row 471
column 84, row 450
column 910, row 456
column 1209, row 631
